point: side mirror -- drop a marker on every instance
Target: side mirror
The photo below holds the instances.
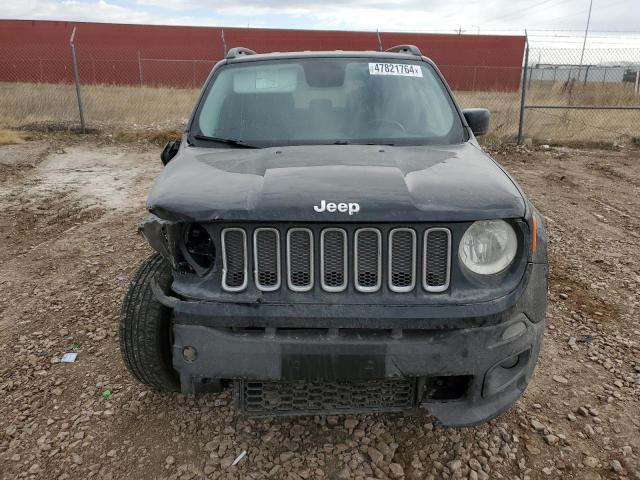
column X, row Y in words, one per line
column 170, row 151
column 477, row 119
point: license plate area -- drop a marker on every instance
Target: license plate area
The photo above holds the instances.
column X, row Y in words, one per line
column 332, row 367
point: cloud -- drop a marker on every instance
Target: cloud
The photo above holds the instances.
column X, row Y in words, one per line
column 93, row 11
column 386, row 15
column 424, row 14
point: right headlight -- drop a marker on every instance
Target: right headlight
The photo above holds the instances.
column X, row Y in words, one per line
column 199, row 245
column 488, row 247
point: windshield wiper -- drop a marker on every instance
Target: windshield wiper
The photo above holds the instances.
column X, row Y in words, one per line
column 227, row 141
column 346, row 142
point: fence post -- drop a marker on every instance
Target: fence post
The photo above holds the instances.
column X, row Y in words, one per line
column 140, row 73
column 586, row 75
column 604, row 75
column 224, row 43
column 76, row 78
column 380, row 48
column 637, row 89
column 523, row 93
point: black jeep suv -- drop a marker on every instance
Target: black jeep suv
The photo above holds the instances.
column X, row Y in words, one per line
column 331, row 238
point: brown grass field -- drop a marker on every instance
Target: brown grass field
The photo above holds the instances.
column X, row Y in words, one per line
column 116, row 107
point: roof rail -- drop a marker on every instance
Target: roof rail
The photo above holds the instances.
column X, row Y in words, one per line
column 407, row 49
column 239, row 52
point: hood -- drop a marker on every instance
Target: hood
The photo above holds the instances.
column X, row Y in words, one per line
column 388, row 184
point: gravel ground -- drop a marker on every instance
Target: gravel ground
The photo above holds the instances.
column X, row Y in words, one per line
column 68, row 212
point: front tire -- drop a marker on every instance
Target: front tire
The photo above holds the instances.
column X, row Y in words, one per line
column 145, row 327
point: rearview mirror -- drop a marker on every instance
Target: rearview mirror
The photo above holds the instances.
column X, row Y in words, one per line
column 170, row 151
column 477, row 119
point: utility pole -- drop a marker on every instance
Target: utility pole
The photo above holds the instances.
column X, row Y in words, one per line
column 586, row 31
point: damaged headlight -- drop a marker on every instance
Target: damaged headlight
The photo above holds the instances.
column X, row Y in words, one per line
column 488, row 247
column 199, row 245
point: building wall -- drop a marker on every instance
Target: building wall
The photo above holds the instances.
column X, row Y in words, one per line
column 38, row 51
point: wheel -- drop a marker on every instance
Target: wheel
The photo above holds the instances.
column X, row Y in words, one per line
column 145, row 327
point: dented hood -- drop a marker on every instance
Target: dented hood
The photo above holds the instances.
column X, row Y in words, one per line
column 395, row 184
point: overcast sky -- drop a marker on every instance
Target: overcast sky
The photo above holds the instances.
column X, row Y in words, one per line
column 485, row 16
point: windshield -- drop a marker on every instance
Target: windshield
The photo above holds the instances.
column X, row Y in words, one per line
column 326, row 101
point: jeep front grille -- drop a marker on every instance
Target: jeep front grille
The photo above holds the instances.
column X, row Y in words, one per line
column 362, row 258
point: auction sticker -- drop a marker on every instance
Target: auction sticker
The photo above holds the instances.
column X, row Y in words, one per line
column 399, row 69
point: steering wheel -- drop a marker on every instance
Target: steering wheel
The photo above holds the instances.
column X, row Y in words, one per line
column 388, row 122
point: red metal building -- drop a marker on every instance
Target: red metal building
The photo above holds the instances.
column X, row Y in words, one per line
column 38, row 51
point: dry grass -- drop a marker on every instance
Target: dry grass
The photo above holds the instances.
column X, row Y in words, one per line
column 162, row 109
column 157, row 137
column 11, row 137
column 23, row 103
column 548, row 125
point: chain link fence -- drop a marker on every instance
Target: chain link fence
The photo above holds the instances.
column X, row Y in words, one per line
column 141, row 93
column 149, row 92
column 571, row 96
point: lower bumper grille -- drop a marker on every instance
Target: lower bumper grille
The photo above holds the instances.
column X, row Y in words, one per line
column 300, row 398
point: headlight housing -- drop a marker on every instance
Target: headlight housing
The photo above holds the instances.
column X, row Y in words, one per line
column 488, row 247
column 199, row 245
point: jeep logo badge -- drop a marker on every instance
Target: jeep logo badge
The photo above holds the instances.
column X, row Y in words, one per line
column 331, row 207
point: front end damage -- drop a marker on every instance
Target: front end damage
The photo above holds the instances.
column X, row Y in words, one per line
column 465, row 357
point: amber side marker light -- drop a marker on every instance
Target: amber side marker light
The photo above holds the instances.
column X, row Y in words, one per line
column 534, row 239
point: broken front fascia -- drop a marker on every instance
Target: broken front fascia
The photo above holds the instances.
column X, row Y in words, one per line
column 164, row 236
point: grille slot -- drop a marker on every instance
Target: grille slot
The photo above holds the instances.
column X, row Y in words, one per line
column 333, row 259
column 368, row 260
column 234, row 259
column 437, row 259
column 402, row 259
column 266, row 256
column 291, row 398
column 300, row 259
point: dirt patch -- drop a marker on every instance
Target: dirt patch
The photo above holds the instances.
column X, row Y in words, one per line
column 561, row 178
column 609, row 170
column 47, row 192
column 93, row 178
column 578, row 296
column 33, row 221
column 68, row 223
column 13, row 158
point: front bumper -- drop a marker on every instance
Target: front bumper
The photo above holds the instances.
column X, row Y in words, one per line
column 299, row 344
